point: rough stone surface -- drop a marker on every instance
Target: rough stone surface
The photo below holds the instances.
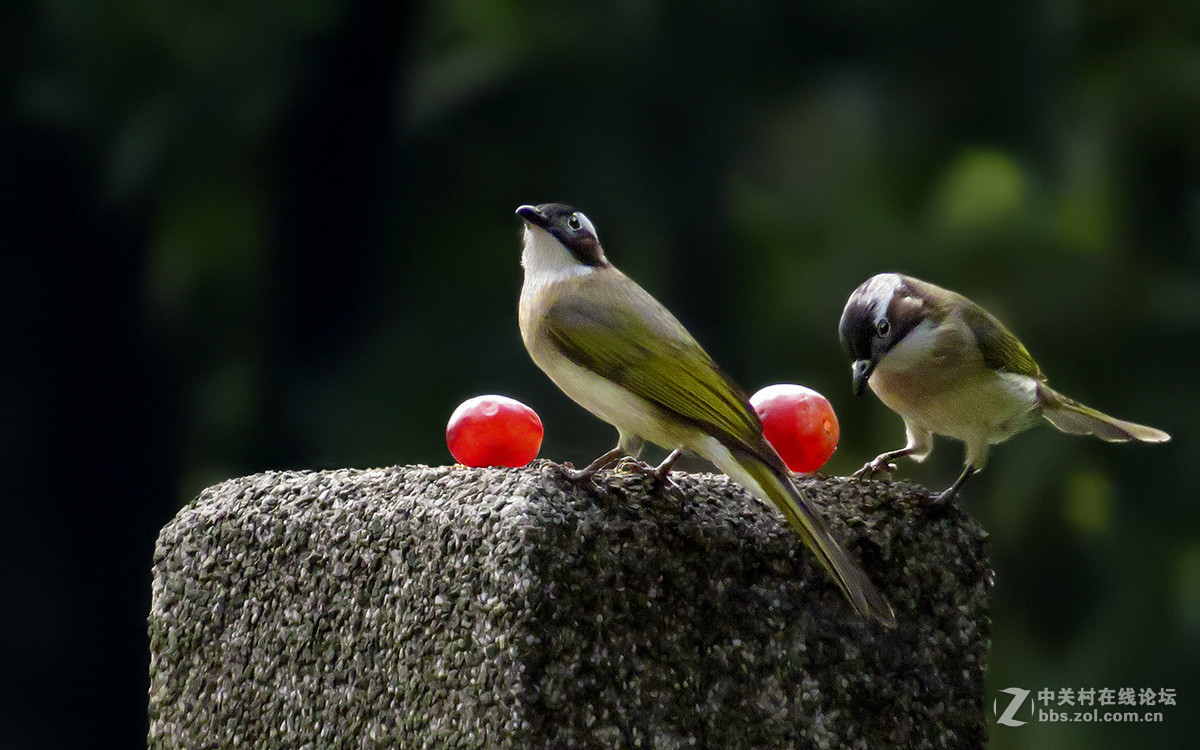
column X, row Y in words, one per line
column 418, row 607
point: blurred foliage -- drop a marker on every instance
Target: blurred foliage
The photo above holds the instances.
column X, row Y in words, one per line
column 279, row 234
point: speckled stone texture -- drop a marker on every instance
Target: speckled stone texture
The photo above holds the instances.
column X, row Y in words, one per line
column 417, row 607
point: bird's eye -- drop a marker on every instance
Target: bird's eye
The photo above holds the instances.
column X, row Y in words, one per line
column 883, row 328
column 574, row 224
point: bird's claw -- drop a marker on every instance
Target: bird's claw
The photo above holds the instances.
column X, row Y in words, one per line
column 568, row 470
column 879, row 466
column 631, row 465
column 946, row 496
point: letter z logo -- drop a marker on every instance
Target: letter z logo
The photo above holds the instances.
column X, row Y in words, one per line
column 1018, row 698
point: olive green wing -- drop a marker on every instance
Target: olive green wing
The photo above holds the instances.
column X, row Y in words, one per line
column 1000, row 348
column 625, row 335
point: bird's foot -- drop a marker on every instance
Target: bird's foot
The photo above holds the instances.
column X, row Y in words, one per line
column 634, row 466
column 946, row 496
column 951, row 493
column 631, row 465
column 661, row 473
column 878, row 467
column 575, row 475
column 587, row 472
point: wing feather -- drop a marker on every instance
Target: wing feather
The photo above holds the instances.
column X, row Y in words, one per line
column 1000, row 348
column 673, row 372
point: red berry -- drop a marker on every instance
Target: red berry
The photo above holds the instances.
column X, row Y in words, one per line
column 494, row 431
column 799, row 423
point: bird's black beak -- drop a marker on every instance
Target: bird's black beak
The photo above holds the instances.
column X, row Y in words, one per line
column 533, row 215
column 862, row 370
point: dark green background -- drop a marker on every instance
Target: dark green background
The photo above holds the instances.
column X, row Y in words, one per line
column 269, row 234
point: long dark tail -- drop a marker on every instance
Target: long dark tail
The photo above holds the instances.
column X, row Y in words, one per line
column 1072, row 417
column 775, row 484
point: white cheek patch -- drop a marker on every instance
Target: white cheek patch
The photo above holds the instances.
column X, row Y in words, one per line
column 546, row 260
column 914, row 349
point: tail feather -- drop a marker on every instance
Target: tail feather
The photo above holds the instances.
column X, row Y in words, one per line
column 1074, row 418
column 777, row 486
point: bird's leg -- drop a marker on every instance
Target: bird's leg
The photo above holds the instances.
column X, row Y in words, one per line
column 601, row 462
column 632, row 445
column 663, row 469
column 953, row 491
column 974, row 460
column 920, row 442
column 882, row 464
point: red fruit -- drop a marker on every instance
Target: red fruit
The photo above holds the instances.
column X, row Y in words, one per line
column 799, row 423
column 494, row 431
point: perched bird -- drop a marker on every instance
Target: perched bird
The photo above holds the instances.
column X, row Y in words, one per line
column 617, row 352
column 948, row 367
